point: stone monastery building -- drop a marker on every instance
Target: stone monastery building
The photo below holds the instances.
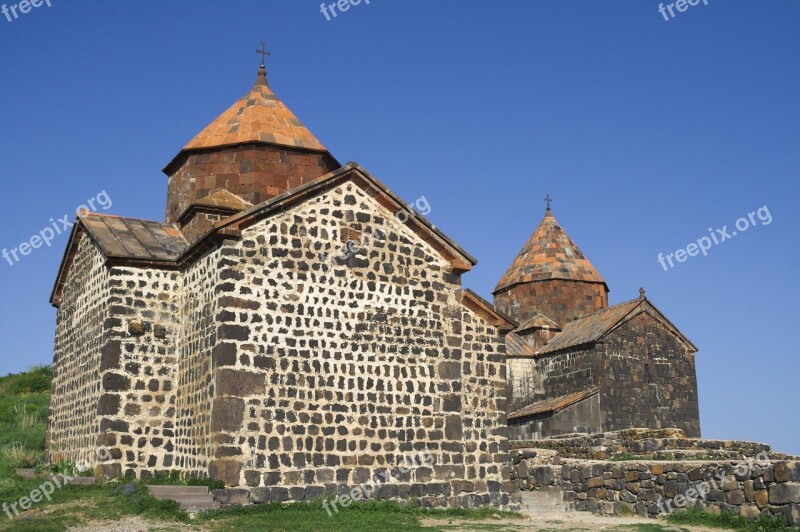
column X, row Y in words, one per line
column 294, row 324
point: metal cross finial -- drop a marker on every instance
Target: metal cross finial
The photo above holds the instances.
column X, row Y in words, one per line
column 549, row 200
column 263, row 52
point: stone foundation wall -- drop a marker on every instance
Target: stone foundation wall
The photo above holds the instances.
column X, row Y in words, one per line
column 758, row 481
column 659, row 444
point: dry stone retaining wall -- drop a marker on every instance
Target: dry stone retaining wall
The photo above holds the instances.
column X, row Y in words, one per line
column 746, row 487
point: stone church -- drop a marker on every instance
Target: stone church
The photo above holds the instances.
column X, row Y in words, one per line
column 224, row 342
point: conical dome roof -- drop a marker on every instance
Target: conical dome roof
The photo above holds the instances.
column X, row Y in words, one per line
column 549, row 254
column 259, row 116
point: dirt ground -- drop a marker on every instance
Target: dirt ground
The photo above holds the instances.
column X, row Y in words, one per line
column 559, row 522
column 577, row 521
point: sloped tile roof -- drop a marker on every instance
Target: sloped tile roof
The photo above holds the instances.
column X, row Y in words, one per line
column 539, row 321
column 517, row 347
column 259, row 116
column 129, row 238
column 221, row 200
column 553, row 405
column 590, row 328
column 593, row 327
column 549, row 254
column 224, row 199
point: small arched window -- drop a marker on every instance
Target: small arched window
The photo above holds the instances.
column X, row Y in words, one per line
column 647, row 378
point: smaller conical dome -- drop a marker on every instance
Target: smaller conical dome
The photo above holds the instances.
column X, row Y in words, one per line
column 549, row 254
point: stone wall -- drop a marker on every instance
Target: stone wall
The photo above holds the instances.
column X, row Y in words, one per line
column 139, row 371
column 330, row 376
column 197, row 355
column 752, row 480
column 583, row 416
column 561, row 301
column 661, row 444
column 73, row 427
column 255, row 173
column 649, row 378
column 266, row 365
column 653, row 488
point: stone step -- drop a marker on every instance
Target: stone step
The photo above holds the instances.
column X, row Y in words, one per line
column 25, row 473
column 548, row 499
column 178, row 490
column 191, row 498
column 199, row 506
column 82, row 481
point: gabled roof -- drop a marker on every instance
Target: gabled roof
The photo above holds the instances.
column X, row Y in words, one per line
column 517, row 347
column 222, row 200
column 460, row 260
column 593, row 327
column 129, row 238
column 553, row 405
column 539, row 321
column 486, row 310
column 549, row 254
column 123, row 239
column 163, row 245
column 259, row 116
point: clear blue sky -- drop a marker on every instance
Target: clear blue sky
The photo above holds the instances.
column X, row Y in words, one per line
column 646, row 132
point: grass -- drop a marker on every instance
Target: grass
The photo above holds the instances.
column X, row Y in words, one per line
column 75, row 505
column 24, row 399
column 174, row 479
column 764, row 523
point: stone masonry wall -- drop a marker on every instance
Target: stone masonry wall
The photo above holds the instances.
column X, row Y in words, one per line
column 653, row 488
column 139, row 371
column 255, row 173
column 73, row 425
column 751, row 480
column 561, row 301
column 328, row 376
column 583, row 416
column 565, row 373
column 197, row 355
column 649, row 379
